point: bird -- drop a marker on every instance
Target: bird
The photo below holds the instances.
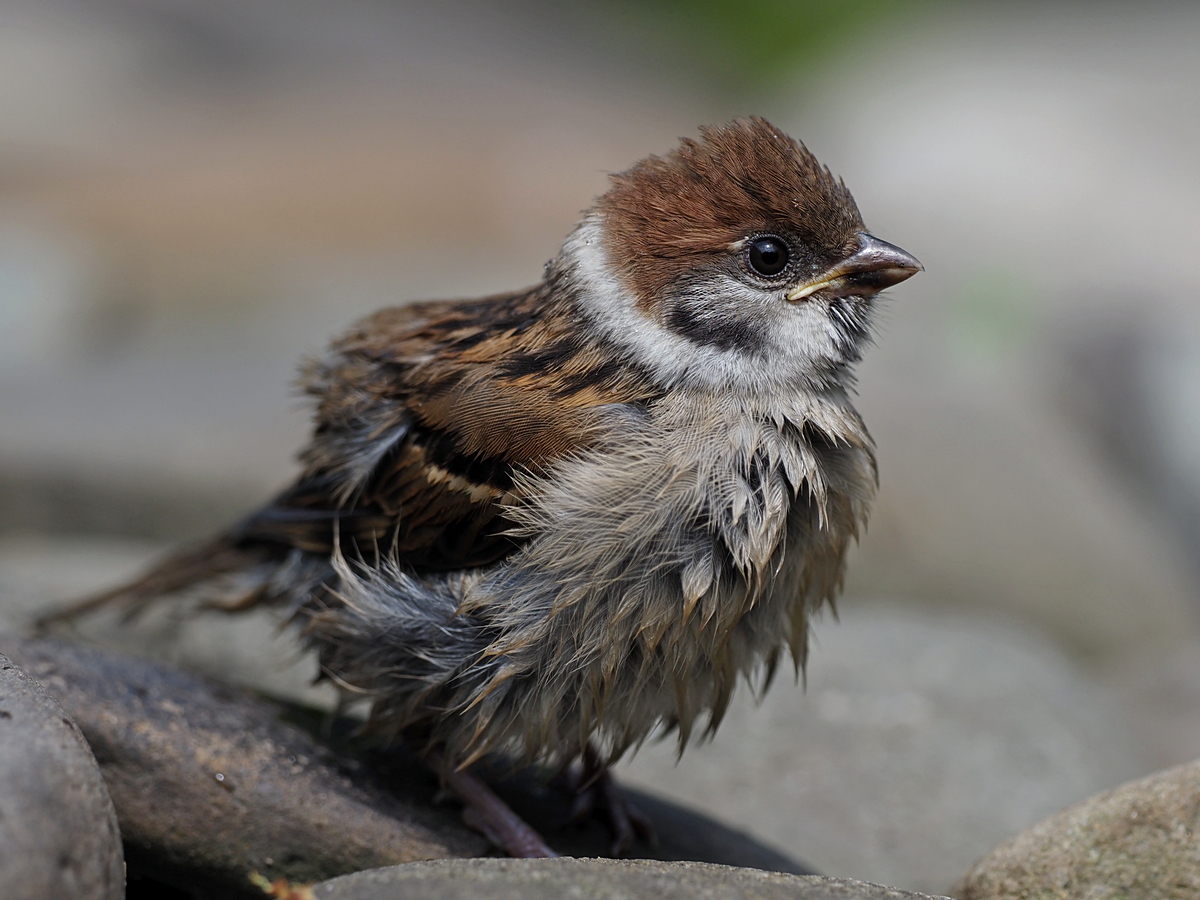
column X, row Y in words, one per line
column 551, row 523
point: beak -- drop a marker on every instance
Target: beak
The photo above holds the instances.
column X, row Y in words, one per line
column 873, row 266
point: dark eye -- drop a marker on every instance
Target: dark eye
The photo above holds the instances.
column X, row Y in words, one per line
column 768, row 255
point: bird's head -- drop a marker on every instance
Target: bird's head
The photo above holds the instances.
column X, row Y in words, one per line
column 734, row 261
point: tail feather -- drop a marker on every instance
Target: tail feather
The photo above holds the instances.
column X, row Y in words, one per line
column 183, row 570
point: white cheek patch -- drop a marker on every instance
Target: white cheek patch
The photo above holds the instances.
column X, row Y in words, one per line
column 801, row 340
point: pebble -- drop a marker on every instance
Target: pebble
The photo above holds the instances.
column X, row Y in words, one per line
column 1140, row 841
column 58, row 829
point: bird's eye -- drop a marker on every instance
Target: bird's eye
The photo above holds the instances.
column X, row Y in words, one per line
column 768, row 255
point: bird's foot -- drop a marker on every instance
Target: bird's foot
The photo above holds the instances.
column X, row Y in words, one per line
column 596, row 791
column 485, row 812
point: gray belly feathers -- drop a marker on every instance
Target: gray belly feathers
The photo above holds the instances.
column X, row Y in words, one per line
column 658, row 570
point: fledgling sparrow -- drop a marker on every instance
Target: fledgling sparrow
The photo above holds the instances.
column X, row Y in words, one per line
column 550, row 522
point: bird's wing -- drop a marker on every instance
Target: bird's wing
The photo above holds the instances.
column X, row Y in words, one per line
column 424, row 415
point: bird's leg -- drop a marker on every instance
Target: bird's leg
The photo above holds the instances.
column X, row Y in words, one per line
column 596, row 787
column 486, row 813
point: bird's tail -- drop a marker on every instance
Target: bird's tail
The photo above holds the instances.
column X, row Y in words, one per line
column 209, row 570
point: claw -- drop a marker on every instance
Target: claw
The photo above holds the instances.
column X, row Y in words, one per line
column 598, row 789
column 627, row 821
column 486, row 813
column 584, row 803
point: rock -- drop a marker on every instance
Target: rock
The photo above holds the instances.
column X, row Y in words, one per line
column 593, row 879
column 210, row 786
column 923, row 739
column 1140, row 841
column 990, row 500
column 58, row 829
column 1161, row 693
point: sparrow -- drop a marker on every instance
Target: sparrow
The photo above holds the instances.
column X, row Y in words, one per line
column 548, row 524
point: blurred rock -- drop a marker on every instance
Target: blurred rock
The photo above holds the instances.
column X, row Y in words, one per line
column 551, row 879
column 210, row 785
column 156, row 449
column 1140, row 841
column 922, row 740
column 58, row 830
column 1150, row 371
column 990, row 499
column 38, row 573
column 1161, row 696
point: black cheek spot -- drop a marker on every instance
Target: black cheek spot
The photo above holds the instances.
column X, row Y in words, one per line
column 722, row 332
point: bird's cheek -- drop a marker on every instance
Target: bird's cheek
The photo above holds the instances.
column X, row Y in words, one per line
column 700, row 324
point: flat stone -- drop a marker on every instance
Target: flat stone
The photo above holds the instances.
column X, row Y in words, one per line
column 1140, row 841
column 58, row 829
column 593, row 879
column 923, row 740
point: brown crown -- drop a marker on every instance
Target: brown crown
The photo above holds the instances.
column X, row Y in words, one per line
column 669, row 215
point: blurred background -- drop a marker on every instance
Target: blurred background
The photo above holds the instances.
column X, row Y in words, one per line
column 193, row 195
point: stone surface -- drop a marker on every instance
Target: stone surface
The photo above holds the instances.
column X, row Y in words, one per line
column 210, row 786
column 593, row 879
column 1161, row 693
column 922, row 740
column 1140, row 841
column 58, row 829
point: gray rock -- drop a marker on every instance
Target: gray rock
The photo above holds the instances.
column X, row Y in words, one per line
column 593, row 879
column 990, row 500
column 1161, row 693
column 209, row 786
column 1140, row 841
column 58, row 829
column 923, row 739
